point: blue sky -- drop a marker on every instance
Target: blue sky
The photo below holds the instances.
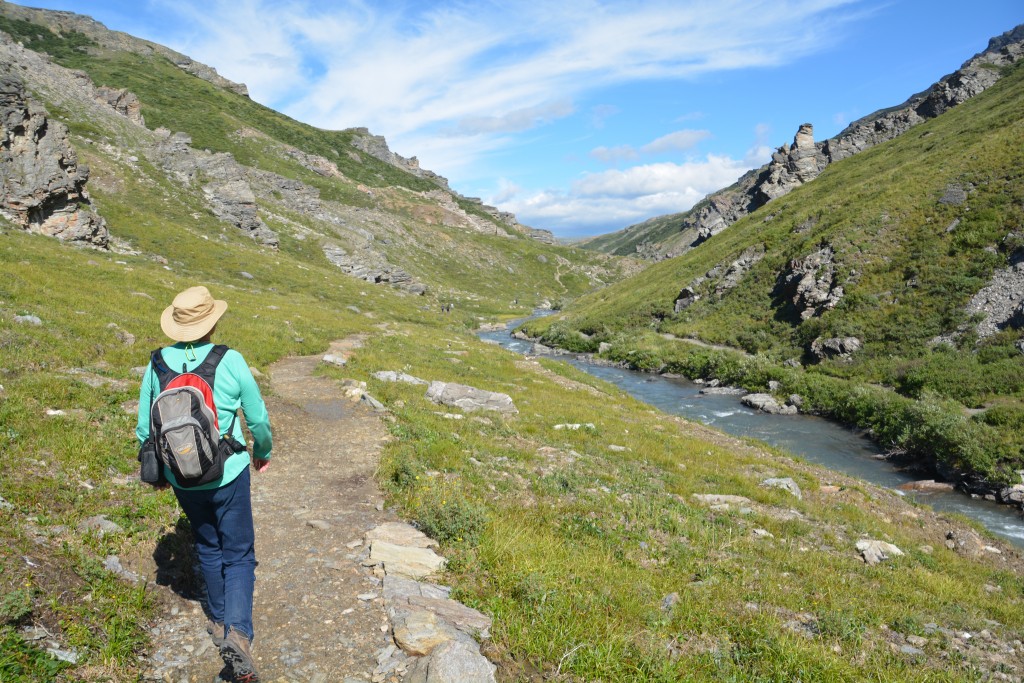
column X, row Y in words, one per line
column 581, row 116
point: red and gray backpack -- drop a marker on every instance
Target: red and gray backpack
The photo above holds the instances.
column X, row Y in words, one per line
column 183, row 421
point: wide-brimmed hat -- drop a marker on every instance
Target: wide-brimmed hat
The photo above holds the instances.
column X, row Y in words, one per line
column 193, row 313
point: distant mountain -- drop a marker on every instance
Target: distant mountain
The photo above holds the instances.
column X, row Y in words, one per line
column 793, row 165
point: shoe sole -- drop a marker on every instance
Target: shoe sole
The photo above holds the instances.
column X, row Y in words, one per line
column 243, row 667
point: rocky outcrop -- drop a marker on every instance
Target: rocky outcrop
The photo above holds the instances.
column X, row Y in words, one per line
column 735, row 271
column 122, row 101
column 371, row 267
column 810, row 283
column 42, row 185
column 802, row 161
column 791, row 166
column 63, row 22
column 835, row 347
column 1001, row 302
column 686, row 298
column 377, row 147
column 223, row 181
column 720, row 279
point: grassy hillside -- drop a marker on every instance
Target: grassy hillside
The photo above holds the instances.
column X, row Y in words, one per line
column 908, row 262
column 458, row 263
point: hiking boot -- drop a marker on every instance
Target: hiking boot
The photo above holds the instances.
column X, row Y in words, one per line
column 216, row 631
column 235, row 652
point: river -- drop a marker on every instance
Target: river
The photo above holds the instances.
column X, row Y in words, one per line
column 814, row 439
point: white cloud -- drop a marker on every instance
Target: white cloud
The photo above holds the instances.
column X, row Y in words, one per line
column 611, row 155
column 408, row 71
column 680, row 140
column 515, row 121
column 613, row 199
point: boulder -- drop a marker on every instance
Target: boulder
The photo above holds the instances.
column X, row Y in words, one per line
column 835, row 347
column 766, row 403
column 965, row 542
column 874, row 552
column 470, row 398
column 394, row 376
column 453, row 662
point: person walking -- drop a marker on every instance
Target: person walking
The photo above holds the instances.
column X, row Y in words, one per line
column 219, row 512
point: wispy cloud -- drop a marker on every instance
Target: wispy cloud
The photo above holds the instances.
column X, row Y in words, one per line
column 514, row 121
column 409, row 69
column 678, row 141
column 612, row 155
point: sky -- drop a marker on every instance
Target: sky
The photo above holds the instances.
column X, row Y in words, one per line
column 581, row 116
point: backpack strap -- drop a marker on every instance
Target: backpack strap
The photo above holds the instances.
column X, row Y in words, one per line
column 208, row 368
column 164, row 374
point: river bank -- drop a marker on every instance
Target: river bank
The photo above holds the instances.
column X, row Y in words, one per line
column 813, row 437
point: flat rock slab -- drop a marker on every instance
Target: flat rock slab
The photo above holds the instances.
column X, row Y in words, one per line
column 470, row 398
column 418, row 633
column 397, row 588
column 452, row 662
column 399, row 533
column 411, row 563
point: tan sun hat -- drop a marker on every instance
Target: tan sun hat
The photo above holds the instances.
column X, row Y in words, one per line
column 193, row 313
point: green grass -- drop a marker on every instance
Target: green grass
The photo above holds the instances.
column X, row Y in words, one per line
column 574, row 546
column 906, row 276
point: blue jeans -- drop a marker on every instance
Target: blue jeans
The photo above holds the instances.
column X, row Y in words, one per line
column 221, row 522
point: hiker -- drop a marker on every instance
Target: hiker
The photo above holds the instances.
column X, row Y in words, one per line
column 219, row 511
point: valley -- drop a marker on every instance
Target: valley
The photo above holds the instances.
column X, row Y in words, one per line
column 601, row 538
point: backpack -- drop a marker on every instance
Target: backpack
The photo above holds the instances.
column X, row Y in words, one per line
column 183, row 422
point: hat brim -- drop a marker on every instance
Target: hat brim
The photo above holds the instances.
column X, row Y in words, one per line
column 193, row 331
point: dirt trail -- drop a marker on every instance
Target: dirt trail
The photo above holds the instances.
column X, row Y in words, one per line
column 318, row 496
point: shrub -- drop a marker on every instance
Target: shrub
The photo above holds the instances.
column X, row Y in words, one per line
column 447, row 516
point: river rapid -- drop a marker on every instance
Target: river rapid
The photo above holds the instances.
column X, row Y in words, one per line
column 815, row 439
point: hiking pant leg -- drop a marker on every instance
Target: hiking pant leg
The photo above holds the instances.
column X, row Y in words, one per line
column 200, row 510
column 238, row 552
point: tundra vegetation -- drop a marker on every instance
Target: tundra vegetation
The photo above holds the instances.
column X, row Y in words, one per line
column 587, row 546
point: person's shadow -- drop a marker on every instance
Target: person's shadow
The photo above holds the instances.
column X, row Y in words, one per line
column 178, row 569
column 176, row 564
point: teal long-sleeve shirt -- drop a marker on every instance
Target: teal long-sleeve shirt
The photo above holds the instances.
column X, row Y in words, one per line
column 233, row 388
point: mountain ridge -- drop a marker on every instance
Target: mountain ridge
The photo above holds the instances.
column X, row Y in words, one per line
column 794, row 164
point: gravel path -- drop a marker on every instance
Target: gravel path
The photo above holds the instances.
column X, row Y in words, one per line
column 317, row 615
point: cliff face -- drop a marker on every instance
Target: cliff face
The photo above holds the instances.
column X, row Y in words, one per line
column 42, row 185
column 803, row 160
